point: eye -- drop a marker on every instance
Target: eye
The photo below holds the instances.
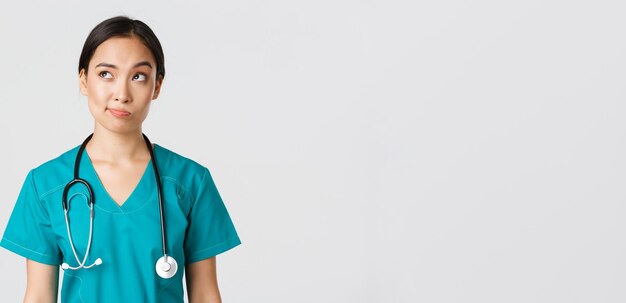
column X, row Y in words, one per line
column 139, row 77
column 105, row 75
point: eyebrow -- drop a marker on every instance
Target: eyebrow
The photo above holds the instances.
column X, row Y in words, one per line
column 142, row 63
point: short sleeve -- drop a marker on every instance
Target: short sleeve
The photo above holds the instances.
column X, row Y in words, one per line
column 29, row 232
column 210, row 230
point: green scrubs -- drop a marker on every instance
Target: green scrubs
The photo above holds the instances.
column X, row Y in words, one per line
column 127, row 238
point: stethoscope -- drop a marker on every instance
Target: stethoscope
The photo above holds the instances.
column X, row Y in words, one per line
column 166, row 266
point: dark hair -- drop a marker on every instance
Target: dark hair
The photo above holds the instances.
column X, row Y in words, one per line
column 122, row 26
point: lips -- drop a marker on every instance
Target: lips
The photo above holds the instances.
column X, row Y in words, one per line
column 119, row 112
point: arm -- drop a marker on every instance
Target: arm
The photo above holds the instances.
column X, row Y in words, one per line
column 202, row 282
column 42, row 282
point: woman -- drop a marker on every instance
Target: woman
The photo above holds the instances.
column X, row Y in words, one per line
column 113, row 250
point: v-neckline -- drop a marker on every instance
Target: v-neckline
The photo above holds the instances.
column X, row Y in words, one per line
column 138, row 196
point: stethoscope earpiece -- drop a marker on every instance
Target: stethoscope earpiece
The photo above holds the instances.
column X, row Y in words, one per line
column 66, row 266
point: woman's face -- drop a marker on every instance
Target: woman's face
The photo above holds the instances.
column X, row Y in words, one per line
column 120, row 83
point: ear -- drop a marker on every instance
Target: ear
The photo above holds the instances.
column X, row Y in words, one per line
column 82, row 82
column 157, row 87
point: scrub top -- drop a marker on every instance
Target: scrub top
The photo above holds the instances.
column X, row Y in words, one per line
column 128, row 237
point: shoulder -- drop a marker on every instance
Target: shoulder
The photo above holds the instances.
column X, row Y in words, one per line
column 179, row 168
column 55, row 172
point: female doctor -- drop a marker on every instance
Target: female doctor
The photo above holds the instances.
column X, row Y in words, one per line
column 124, row 218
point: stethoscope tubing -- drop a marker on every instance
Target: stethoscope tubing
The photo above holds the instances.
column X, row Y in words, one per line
column 158, row 181
column 166, row 266
column 69, row 235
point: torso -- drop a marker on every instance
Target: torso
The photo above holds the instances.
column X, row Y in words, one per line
column 127, row 238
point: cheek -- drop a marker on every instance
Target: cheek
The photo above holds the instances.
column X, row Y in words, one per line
column 94, row 108
column 98, row 91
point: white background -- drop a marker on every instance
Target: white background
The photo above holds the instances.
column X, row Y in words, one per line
column 368, row 151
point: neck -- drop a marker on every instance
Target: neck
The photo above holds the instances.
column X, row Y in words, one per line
column 116, row 147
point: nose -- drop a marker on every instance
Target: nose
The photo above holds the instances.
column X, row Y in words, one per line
column 122, row 94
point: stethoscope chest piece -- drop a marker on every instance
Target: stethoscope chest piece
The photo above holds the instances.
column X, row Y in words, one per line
column 166, row 267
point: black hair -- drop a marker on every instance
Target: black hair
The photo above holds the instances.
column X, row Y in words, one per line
column 122, row 26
